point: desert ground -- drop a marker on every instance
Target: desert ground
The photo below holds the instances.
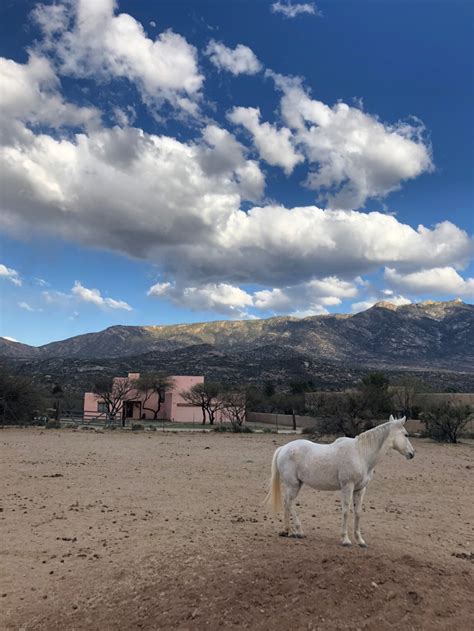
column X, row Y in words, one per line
column 151, row 530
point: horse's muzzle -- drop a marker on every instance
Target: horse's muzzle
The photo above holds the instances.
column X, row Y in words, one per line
column 411, row 455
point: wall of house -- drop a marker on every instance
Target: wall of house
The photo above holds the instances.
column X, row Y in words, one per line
column 90, row 406
column 177, row 409
column 173, row 407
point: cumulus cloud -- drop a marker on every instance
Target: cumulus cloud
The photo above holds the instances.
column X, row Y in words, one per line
column 185, row 204
column 438, row 280
column 89, row 39
column 238, row 60
column 353, row 155
column 274, row 145
column 31, row 92
column 94, row 296
column 363, row 305
column 220, row 297
column 220, row 154
column 10, row 274
column 179, row 204
column 289, row 10
column 314, row 296
column 309, row 298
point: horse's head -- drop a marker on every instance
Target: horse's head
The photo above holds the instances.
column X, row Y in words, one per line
column 399, row 436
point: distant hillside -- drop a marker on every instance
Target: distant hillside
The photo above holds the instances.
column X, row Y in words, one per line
column 429, row 336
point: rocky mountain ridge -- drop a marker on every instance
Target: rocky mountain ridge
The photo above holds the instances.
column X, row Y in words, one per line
column 429, row 336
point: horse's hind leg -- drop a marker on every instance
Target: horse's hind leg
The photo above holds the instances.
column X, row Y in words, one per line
column 358, row 499
column 291, row 491
column 347, row 492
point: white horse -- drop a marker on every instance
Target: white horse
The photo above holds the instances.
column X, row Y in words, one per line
column 347, row 465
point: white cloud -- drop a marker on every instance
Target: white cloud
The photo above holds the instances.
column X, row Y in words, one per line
column 41, row 282
column 354, row 155
column 438, row 280
column 94, row 296
column 11, row 274
column 290, row 10
column 27, row 307
column 308, row 313
column 31, row 92
column 220, row 155
column 363, row 305
column 220, row 297
column 179, row 205
column 274, row 145
column 313, row 295
column 52, row 297
column 239, row 60
column 310, row 298
column 90, row 40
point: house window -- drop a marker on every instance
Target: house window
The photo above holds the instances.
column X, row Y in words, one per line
column 102, row 408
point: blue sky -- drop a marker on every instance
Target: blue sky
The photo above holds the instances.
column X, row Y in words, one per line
column 184, row 161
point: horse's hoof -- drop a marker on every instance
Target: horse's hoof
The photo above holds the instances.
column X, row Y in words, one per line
column 296, row 535
column 362, row 545
column 346, row 544
column 283, row 533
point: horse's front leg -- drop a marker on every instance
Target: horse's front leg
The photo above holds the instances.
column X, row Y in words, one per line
column 347, row 492
column 358, row 499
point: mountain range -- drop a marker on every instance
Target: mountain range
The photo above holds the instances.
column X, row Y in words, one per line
column 432, row 338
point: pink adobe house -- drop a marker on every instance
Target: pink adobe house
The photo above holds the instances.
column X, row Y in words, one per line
column 173, row 408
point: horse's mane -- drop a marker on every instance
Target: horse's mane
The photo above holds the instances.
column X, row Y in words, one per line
column 373, row 438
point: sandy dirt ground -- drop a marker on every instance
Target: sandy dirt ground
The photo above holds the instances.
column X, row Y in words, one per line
column 151, row 530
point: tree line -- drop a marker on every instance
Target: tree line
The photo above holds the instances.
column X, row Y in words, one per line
column 348, row 413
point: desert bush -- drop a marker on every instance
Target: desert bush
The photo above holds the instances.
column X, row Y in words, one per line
column 340, row 413
column 232, row 427
column 446, row 421
column 137, row 427
column 20, row 400
column 52, row 424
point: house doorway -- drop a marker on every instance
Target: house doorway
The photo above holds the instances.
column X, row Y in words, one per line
column 132, row 409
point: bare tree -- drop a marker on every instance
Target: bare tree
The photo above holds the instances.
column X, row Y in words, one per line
column 58, row 395
column 340, row 413
column 113, row 392
column 151, row 385
column 404, row 391
column 207, row 396
column 234, row 405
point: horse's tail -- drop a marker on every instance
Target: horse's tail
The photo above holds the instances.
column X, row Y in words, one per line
column 273, row 498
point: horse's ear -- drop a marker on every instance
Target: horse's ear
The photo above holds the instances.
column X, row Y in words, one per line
column 403, row 420
column 391, row 418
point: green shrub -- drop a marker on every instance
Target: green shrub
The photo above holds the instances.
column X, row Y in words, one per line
column 242, row 429
column 446, row 421
column 52, row 424
column 233, row 427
